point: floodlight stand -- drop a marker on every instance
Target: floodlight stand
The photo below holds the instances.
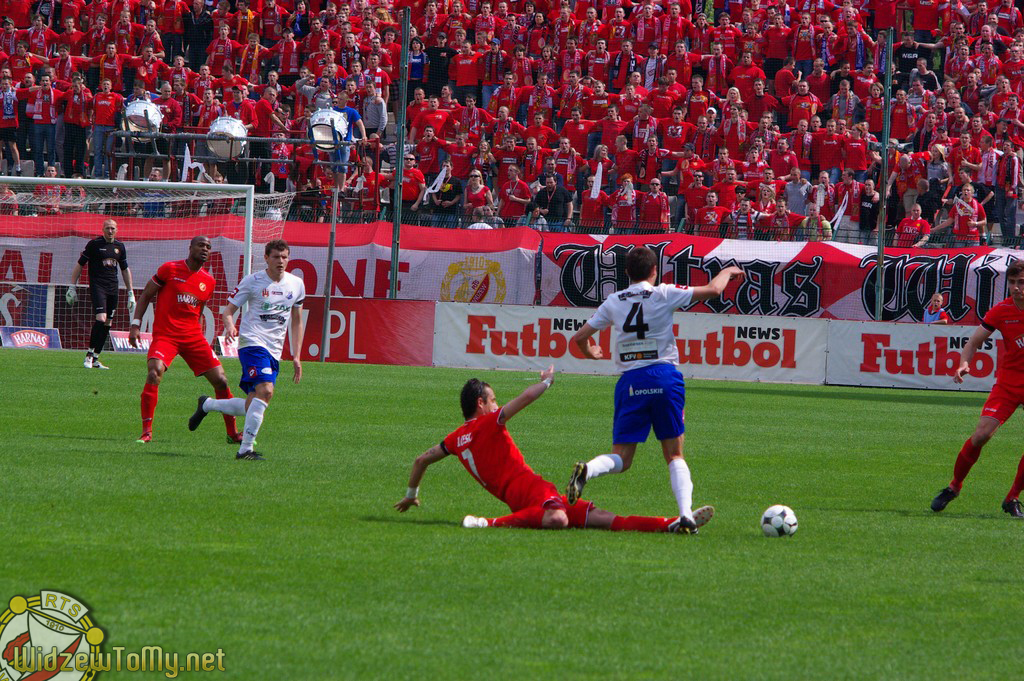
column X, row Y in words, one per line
column 396, row 193
column 328, row 285
column 883, row 214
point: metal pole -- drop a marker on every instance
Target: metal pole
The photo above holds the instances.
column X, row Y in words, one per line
column 250, row 199
column 883, row 214
column 327, row 280
column 396, row 194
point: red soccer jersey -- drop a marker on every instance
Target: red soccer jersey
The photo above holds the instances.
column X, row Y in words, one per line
column 179, row 304
column 910, row 231
column 488, row 452
column 1008, row 319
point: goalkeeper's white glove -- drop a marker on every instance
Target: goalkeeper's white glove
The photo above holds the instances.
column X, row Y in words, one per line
column 131, row 302
column 72, row 295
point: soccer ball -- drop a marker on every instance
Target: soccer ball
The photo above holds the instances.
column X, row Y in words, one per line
column 778, row 521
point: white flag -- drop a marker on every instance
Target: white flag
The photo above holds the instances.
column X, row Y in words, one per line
column 596, row 189
column 269, row 178
column 839, row 214
column 188, row 164
column 438, row 182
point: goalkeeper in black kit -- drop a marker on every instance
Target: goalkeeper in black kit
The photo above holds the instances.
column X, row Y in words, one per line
column 104, row 255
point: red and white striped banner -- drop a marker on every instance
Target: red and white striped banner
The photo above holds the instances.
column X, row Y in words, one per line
column 813, row 279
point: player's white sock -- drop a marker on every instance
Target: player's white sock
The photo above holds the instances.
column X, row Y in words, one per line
column 603, row 465
column 682, row 486
column 253, row 421
column 233, row 406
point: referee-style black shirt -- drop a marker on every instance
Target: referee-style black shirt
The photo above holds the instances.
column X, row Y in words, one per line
column 103, row 259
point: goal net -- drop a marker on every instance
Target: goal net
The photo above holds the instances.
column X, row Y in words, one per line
column 45, row 224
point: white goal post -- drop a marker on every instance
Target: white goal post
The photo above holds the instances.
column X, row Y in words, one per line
column 46, row 222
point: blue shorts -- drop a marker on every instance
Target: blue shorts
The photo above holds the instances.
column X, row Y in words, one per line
column 651, row 396
column 258, row 366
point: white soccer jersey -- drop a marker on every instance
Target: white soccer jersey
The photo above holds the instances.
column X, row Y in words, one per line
column 265, row 321
column 642, row 317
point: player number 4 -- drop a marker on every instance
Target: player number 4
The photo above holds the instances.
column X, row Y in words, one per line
column 635, row 322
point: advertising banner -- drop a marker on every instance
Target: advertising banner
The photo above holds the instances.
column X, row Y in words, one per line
column 768, row 349
column 906, row 356
column 119, row 340
column 398, row 332
column 29, row 338
column 434, row 264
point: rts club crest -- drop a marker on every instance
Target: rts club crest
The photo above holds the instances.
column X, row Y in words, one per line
column 473, row 280
column 41, row 637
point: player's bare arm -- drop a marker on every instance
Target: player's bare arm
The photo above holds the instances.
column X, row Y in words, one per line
column 227, row 316
column 716, row 287
column 977, row 339
column 296, row 331
column 419, row 467
column 528, row 396
column 148, row 293
column 582, row 340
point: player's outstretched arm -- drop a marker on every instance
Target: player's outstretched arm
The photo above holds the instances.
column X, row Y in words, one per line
column 295, row 333
column 979, row 336
column 582, row 340
column 152, row 288
column 528, row 396
column 716, row 287
column 419, row 467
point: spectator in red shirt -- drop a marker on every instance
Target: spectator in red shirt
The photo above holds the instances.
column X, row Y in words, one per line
column 913, row 231
column 106, row 107
column 42, row 101
column 76, row 104
column 513, row 197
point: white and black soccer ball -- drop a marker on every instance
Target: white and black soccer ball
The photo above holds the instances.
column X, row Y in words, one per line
column 778, row 521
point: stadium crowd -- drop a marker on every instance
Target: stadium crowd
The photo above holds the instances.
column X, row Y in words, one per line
column 747, row 119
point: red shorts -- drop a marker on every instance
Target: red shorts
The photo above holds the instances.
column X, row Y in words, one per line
column 533, row 490
column 1002, row 402
column 196, row 352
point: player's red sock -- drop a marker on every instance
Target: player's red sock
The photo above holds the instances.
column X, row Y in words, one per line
column 229, row 421
column 531, row 516
column 640, row 523
column 967, row 457
column 150, row 394
column 1018, row 482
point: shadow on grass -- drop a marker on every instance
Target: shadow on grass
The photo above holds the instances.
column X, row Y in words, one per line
column 945, row 399
column 169, row 455
column 397, row 518
column 915, row 513
column 58, row 436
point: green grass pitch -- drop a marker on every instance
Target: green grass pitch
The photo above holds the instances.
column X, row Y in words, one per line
column 299, row 569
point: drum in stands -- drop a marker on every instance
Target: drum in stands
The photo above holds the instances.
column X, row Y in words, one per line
column 327, row 128
column 142, row 116
column 226, row 138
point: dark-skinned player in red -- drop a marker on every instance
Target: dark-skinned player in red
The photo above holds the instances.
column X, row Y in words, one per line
column 485, row 448
column 1007, row 394
column 181, row 289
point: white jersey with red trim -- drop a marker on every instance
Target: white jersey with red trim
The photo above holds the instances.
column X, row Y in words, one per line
column 265, row 321
column 642, row 317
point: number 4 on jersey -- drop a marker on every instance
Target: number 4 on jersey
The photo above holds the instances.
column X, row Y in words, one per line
column 635, row 322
